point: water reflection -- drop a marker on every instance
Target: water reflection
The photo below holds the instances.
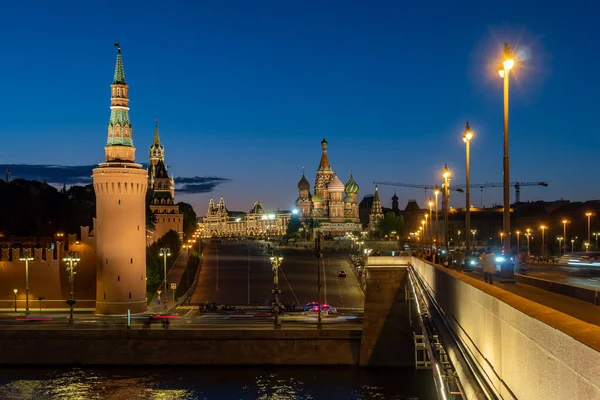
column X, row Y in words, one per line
column 247, row 383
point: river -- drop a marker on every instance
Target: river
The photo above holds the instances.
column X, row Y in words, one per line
column 222, row 383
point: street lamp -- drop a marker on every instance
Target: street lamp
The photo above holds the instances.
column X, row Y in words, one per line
column 436, row 192
column 508, row 63
column 543, row 227
column 560, row 239
column 446, row 176
column 430, row 221
column 588, row 215
column 276, row 262
column 15, row 292
column 26, row 257
column 467, row 139
column 527, row 235
column 572, row 245
column 424, row 224
column 596, row 234
column 164, row 253
column 72, row 259
column 564, row 221
column 587, row 246
column 473, row 232
column 502, row 239
column 518, row 242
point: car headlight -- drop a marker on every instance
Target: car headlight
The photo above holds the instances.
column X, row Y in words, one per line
column 500, row 259
column 472, row 262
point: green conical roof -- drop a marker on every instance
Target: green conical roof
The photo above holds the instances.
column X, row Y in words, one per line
column 351, row 186
column 156, row 140
column 119, row 77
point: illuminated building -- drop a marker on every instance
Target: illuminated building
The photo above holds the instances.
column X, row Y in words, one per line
column 120, row 186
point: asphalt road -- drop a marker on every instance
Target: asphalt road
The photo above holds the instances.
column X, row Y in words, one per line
column 240, row 274
column 565, row 274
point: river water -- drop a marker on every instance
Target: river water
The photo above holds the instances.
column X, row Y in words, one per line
column 222, row 383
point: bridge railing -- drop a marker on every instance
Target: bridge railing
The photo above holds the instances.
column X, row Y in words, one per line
column 524, row 349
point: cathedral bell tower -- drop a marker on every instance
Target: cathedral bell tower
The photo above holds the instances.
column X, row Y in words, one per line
column 120, row 227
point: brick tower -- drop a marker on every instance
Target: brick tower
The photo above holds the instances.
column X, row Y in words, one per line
column 120, row 230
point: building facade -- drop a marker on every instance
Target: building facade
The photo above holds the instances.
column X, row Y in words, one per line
column 327, row 210
column 165, row 212
column 120, row 185
column 257, row 223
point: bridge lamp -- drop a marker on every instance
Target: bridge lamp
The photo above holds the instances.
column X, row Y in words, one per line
column 588, row 215
column 543, row 228
column 26, row 258
column 15, row 291
column 565, row 222
column 275, row 263
column 508, row 62
column 468, row 135
column 164, row 253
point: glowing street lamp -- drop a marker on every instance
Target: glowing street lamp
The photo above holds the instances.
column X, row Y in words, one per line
column 276, row 262
column 72, row 259
column 446, row 185
column 572, row 245
column 467, row 139
column 543, row 228
column 508, row 63
column 436, row 192
column 26, row 257
column 164, row 253
column 588, row 215
column 527, row 235
column 564, row 221
column 15, row 291
column 518, row 242
column 560, row 239
column 502, row 239
column 596, row 234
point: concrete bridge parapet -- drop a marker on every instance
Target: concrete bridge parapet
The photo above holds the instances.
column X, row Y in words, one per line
column 527, row 350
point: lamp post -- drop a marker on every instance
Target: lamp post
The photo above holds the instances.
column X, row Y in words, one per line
column 507, row 63
column 502, row 239
column 164, row 253
column 15, row 292
column 430, row 221
column 423, row 224
column 319, row 255
column 473, row 232
column 588, row 215
column 560, row 239
column 446, row 176
column 564, row 221
column 518, row 242
column 543, row 228
column 596, row 234
column 587, row 246
column 572, row 245
column 72, row 259
column 467, row 139
column 436, row 192
column 275, row 263
column 26, row 257
column 527, row 235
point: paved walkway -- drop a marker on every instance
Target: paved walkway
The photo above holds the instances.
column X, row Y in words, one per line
column 579, row 309
column 173, row 276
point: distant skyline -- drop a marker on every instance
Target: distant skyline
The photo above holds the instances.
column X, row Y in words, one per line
column 245, row 92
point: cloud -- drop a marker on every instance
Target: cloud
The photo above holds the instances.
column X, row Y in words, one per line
column 198, row 184
column 82, row 175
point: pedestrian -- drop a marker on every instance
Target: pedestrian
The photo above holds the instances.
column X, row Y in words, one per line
column 458, row 259
column 488, row 261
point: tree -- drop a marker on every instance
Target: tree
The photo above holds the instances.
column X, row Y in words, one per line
column 189, row 217
column 390, row 223
column 155, row 263
column 293, row 228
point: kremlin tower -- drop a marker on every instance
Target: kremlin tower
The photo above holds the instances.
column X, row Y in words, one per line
column 120, row 227
column 376, row 213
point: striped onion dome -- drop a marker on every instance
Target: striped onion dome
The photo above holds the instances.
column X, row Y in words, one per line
column 351, row 187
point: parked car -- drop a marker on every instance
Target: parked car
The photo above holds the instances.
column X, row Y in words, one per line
column 342, row 274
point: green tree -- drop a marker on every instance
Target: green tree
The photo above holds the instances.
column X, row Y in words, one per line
column 155, row 263
column 189, row 217
column 390, row 223
column 293, row 228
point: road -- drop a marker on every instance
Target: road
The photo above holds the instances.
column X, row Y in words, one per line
column 565, row 274
column 240, row 274
column 191, row 321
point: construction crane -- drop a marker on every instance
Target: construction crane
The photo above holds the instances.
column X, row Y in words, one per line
column 516, row 185
column 460, row 188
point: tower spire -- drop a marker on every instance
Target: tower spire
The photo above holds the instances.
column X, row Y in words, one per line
column 119, row 76
column 156, row 140
column 119, row 145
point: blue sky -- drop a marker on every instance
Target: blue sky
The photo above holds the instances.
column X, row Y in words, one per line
column 246, row 91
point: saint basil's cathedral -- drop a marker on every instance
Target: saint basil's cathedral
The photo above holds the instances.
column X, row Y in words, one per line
column 328, row 210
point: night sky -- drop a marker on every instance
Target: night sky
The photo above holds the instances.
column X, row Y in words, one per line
column 245, row 91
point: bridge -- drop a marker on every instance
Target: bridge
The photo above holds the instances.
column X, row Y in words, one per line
column 480, row 340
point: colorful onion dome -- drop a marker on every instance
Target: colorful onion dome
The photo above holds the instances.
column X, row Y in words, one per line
column 317, row 198
column 348, row 199
column 303, row 184
column 351, row 187
column 335, row 185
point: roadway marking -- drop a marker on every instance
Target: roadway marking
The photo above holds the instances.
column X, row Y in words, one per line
column 290, row 286
column 355, row 277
